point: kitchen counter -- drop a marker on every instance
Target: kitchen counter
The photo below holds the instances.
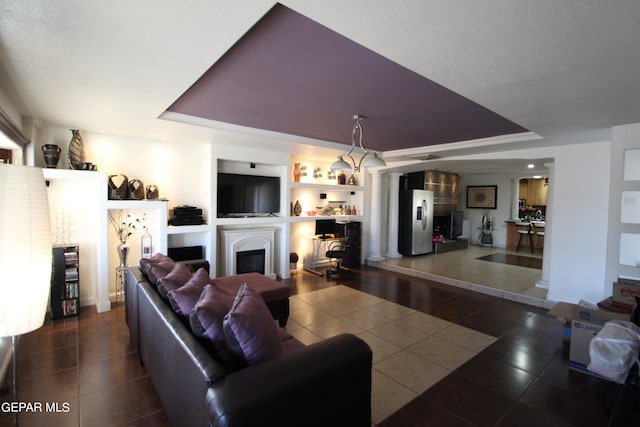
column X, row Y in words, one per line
column 513, row 236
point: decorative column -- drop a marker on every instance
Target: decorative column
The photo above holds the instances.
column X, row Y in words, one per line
column 375, row 244
column 392, row 226
column 515, row 191
column 543, row 283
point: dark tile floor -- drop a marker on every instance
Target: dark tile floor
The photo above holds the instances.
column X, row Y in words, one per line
column 87, row 364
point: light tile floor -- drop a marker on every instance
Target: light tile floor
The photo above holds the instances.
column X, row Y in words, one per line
column 463, row 269
column 412, row 351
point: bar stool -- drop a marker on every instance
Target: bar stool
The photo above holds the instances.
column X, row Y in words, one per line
column 524, row 229
column 539, row 229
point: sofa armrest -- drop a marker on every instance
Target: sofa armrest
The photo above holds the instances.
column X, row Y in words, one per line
column 324, row 384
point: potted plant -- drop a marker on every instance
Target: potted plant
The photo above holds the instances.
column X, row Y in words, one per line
column 293, row 260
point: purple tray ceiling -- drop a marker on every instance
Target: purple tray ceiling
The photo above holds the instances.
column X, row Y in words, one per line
column 292, row 75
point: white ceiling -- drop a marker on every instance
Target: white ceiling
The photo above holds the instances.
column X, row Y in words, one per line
column 567, row 70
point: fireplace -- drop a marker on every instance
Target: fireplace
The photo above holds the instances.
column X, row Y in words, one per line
column 250, row 261
column 244, row 250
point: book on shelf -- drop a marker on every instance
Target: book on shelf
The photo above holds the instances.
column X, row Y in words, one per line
column 69, row 306
column 71, row 290
column 71, row 258
column 71, row 274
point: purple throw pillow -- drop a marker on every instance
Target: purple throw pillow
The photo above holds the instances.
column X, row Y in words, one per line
column 179, row 275
column 186, row 297
column 249, row 329
column 208, row 314
column 158, row 257
column 160, row 269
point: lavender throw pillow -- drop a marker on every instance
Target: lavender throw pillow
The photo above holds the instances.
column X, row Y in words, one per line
column 159, row 270
column 184, row 298
column 179, row 275
column 207, row 316
column 249, row 329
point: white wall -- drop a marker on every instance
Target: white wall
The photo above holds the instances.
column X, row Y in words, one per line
column 580, row 221
column 623, row 138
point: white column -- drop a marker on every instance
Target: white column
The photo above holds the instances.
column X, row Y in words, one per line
column 375, row 243
column 543, row 283
column 515, row 189
column 392, row 226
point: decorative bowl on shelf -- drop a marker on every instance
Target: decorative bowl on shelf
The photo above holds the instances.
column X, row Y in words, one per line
column 311, row 213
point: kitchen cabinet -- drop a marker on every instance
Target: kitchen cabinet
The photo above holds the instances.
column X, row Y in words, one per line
column 534, row 191
column 443, row 184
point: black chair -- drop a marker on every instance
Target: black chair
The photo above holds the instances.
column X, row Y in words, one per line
column 340, row 250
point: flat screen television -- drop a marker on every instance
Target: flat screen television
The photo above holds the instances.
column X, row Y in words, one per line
column 325, row 227
column 247, row 195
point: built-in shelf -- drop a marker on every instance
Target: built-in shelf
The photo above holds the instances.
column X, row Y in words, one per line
column 187, row 229
column 136, row 204
column 328, row 187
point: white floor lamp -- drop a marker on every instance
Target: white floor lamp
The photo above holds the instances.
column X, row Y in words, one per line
column 25, row 254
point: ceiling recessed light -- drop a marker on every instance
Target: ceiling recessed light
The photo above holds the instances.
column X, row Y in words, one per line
column 537, row 176
column 531, row 165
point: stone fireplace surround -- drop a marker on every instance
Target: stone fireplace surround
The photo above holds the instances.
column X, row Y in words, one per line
column 237, row 240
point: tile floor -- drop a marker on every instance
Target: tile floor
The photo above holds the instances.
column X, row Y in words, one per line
column 412, row 351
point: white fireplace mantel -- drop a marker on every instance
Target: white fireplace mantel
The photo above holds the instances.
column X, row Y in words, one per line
column 247, row 239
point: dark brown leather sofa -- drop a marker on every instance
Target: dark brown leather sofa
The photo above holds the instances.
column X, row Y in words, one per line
column 323, row 384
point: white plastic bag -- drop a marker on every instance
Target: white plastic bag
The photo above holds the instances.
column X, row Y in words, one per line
column 614, row 350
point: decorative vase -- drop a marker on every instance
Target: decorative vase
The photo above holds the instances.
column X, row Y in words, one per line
column 296, row 172
column 51, row 154
column 146, row 244
column 342, row 179
column 153, row 193
column 297, row 208
column 123, row 253
column 136, row 190
column 118, row 187
column 76, row 150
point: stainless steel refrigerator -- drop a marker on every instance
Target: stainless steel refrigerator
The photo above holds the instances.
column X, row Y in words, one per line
column 415, row 225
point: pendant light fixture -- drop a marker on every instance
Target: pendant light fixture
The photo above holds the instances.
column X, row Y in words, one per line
column 371, row 161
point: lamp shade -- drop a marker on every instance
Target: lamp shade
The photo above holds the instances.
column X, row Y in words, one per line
column 374, row 161
column 25, row 249
column 340, row 165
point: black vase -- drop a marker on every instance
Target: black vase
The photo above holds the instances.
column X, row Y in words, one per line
column 51, row 155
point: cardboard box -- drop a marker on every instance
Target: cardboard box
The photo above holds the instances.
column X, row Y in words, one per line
column 585, row 323
column 625, row 291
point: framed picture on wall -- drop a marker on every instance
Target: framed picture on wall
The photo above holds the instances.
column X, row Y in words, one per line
column 482, row 196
